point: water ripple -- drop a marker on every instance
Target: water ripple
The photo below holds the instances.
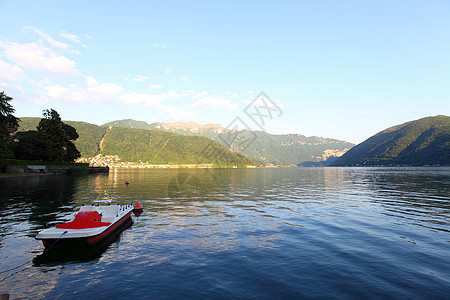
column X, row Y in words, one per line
column 264, row 233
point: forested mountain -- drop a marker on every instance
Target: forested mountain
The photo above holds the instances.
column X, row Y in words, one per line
column 422, row 142
column 262, row 147
column 148, row 146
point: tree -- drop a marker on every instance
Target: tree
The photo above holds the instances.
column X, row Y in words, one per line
column 72, row 152
column 51, row 127
column 7, row 122
column 53, row 140
column 31, row 145
column 60, row 137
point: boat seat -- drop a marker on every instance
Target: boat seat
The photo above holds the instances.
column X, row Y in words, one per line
column 111, row 210
column 87, row 208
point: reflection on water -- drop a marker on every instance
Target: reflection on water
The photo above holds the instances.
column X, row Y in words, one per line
column 239, row 233
column 31, row 203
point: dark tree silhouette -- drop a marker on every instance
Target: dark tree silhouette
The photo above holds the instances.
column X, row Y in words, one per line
column 8, row 122
column 53, row 140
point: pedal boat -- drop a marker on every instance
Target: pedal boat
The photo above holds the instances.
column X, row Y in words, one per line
column 91, row 225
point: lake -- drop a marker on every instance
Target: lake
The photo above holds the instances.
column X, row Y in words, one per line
column 285, row 233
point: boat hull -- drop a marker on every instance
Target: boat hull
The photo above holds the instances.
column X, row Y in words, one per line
column 100, row 237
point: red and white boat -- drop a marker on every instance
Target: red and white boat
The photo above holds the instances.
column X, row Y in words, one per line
column 91, row 225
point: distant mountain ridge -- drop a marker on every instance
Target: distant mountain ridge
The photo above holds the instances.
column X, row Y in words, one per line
column 265, row 148
column 417, row 143
column 148, row 146
column 421, row 142
column 192, row 127
column 184, row 128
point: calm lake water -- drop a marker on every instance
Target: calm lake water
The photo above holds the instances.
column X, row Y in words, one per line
column 293, row 233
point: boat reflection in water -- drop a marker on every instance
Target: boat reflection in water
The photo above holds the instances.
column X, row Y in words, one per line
column 76, row 250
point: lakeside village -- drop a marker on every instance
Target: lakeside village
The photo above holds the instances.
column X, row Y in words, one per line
column 113, row 161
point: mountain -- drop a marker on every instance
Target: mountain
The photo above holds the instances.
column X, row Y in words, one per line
column 129, row 123
column 184, row 128
column 265, row 148
column 417, row 143
column 286, row 149
column 148, row 146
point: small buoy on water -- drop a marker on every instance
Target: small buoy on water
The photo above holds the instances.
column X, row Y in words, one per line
column 127, row 183
column 138, row 209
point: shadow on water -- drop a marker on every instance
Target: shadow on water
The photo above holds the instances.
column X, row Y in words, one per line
column 72, row 251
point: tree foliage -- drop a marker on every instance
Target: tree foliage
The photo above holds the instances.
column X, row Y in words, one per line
column 7, row 120
column 31, row 145
column 51, row 127
column 53, row 140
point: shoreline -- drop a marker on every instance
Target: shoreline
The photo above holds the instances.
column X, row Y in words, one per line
column 6, row 175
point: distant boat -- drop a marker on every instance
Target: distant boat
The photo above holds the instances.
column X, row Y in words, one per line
column 91, row 225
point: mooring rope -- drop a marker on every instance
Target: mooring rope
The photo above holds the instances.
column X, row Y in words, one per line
column 28, row 261
column 55, row 241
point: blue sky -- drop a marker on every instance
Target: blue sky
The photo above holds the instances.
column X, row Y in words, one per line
column 338, row 69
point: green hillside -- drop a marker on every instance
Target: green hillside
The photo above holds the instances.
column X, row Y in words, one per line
column 265, row 148
column 422, row 142
column 89, row 134
column 148, row 146
column 158, row 147
column 286, row 149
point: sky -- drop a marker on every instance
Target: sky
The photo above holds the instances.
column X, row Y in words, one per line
column 336, row 69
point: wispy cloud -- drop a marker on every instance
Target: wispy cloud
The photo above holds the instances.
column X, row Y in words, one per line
column 173, row 113
column 215, row 101
column 10, row 73
column 46, row 37
column 59, row 80
column 91, row 92
column 38, row 57
column 72, row 37
column 232, row 94
column 140, row 78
